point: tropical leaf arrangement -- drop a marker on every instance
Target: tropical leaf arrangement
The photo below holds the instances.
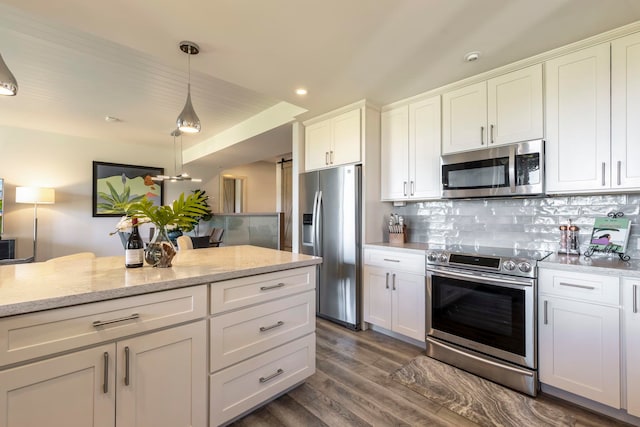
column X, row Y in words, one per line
column 117, row 203
column 184, row 212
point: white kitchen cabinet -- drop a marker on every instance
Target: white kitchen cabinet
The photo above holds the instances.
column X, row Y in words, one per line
column 334, row 141
column 410, row 161
column 503, row 110
column 578, row 144
column 579, row 334
column 74, row 390
column 631, row 341
column 394, row 292
column 625, row 111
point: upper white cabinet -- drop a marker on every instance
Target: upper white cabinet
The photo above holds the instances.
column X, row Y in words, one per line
column 501, row 110
column 334, row 141
column 410, row 152
column 631, row 309
column 578, row 121
column 625, row 111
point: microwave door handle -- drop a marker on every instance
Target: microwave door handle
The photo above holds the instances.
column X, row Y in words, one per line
column 512, row 168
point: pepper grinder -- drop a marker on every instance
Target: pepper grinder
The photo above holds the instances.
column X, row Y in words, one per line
column 573, row 236
column 563, row 238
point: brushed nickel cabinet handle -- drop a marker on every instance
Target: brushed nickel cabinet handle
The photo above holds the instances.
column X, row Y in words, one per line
column 275, row 325
column 572, row 285
column 404, row 186
column 393, row 278
column 268, row 288
column 99, row 323
column 604, row 169
column 105, row 378
column 491, row 127
column 635, row 298
column 331, row 156
column 546, row 319
column 387, row 282
column 126, row 366
column 619, row 172
column 326, row 157
column 391, row 260
column 481, row 135
column 413, row 188
column 272, row 376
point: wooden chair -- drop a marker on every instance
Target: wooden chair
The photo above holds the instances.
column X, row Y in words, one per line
column 216, row 237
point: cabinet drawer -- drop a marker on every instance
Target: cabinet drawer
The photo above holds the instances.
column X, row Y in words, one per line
column 580, row 286
column 239, row 293
column 38, row 334
column 242, row 387
column 244, row 333
column 400, row 261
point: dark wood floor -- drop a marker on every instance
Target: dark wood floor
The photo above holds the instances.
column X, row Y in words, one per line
column 352, row 387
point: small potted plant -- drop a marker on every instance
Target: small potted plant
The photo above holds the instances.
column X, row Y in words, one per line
column 182, row 213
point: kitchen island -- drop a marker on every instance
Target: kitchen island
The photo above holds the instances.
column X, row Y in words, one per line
column 90, row 342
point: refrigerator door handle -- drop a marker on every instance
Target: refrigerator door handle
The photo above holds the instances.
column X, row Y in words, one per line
column 314, row 223
column 317, row 223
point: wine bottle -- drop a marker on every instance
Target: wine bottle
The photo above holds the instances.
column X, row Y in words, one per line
column 134, row 252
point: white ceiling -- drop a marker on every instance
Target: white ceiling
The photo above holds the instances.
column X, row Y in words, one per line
column 77, row 61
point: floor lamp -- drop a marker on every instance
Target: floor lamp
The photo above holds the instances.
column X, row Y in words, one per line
column 37, row 196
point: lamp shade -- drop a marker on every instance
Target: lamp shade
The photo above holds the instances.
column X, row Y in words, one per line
column 8, row 83
column 39, row 195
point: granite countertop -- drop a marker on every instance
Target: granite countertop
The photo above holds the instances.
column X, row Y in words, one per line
column 405, row 247
column 597, row 264
column 39, row 286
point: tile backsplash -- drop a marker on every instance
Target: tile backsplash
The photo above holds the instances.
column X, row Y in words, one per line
column 520, row 223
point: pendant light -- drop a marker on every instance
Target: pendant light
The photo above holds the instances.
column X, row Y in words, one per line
column 188, row 120
column 182, row 176
column 8, row 83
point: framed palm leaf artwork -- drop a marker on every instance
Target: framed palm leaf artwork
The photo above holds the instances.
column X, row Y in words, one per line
column 116, row 185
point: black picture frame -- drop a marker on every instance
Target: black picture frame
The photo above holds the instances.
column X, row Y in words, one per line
column 137, row 178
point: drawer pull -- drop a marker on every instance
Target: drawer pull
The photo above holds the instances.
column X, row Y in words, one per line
column 268, row 288
column 635, row 298
column 126, row 366
column 392, row 260
column 99, row 323
column 571, row 285
column 267, row 328
column 105, row 379
column 272, row 376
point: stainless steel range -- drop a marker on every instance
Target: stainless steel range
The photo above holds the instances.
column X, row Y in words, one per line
column 481, row 312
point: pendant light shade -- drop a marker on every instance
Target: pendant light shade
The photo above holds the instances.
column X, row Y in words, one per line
column 188, row 120
column 182, row 176
column 8, row 83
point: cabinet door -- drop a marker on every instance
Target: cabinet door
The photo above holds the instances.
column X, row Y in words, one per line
column 317, row 139
column 625, row 105
column 578, row 121
column 579, row 348
column 424, row 149
column 631, row 301
column 377, row 297
column 515, row 106
column 345, row 145
column 464, row 118
column 161, row 378
column 408, row 304
column 394, row 159
column 67, row 390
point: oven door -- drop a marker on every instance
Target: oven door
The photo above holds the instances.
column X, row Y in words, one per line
column 485, row 312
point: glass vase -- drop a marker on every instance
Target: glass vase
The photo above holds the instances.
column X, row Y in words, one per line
column 160, row 250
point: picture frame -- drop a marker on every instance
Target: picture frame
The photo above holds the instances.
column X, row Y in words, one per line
column 115, row 184
column 610, row 234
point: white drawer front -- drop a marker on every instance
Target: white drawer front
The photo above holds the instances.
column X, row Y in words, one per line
column 400, row 261
column 238, row 293
column 244, row 333
column 44, row 333
column 580, row 286
column 240, row 388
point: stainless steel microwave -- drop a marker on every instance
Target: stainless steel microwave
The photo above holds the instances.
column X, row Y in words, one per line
column 502, row 171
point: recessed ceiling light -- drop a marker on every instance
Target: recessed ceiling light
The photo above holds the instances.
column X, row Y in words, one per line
column 112, row 119
column 472, row 56
column 301, row 91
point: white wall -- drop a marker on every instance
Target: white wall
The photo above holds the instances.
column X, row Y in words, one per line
column 34, row 158
column 260, row 187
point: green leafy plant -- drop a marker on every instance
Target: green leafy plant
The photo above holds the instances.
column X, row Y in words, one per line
column 204, row 217
column 117, row 203
column 182, row 213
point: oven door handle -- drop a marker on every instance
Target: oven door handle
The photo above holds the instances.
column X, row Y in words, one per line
column 481, row 278
column 482, row 360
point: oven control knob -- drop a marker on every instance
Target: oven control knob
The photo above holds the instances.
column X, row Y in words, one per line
column 509, row 265
column 443, row 258
column 525, row 267
column 432, row 257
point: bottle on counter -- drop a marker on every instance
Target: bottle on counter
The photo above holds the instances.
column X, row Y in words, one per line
column 134, row 252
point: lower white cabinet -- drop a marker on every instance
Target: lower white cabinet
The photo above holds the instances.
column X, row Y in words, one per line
column 156, row 379
column 631, row 339
column 579, row 334
column 394, row 292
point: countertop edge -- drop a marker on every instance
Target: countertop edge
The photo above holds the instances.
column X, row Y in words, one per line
column 611, row 266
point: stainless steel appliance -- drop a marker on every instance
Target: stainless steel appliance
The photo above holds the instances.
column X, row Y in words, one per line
column 330, row 205
column 508, row 170
column 481, row 312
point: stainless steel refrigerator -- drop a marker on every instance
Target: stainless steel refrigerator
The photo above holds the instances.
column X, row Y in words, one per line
column 331, row 208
